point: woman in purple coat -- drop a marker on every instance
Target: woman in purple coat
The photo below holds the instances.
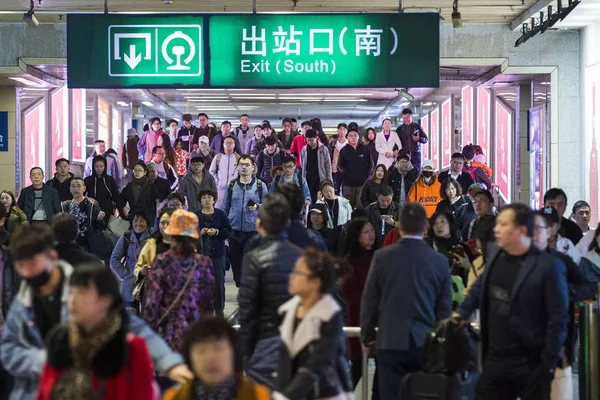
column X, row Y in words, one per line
column 180, row 284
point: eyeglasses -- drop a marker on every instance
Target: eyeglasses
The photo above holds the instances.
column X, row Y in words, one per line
column 291, row 166
column 197, row 164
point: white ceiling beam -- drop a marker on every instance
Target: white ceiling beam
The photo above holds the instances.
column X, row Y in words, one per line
column 534, row 10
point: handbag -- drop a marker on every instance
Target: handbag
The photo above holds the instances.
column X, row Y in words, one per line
column 179, row 295
column 117, row 225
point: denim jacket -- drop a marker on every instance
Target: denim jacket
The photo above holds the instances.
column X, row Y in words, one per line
column 130, row 247
column 22, row 351
column 237, row 210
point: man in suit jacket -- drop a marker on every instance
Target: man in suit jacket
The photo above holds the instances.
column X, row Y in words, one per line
column 523, row 299
column 456, row 171
column 408, row 290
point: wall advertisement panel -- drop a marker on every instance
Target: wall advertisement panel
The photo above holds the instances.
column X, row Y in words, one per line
column 60, row 124
column 78, row 129
column 434, row 138
column 483, row 120
column 466, row 110
column 446, row 133
column 592, row 190
column 103, row 117
column 117, row 132
column 503, row 168
column 537, row 134
column 34, row 133
column 425, row 147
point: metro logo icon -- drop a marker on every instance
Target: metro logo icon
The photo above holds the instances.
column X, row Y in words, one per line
column 128, row 51
column 155, row 50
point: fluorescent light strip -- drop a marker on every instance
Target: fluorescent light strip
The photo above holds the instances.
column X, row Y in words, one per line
column 331, row 94
column 210, row 90
column 208, row 100
column 254, row 98
column 147, row 104
column 24, row 81
column 122, row 104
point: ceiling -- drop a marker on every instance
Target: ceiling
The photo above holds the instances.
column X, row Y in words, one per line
column 332, row 105
column 473, row 11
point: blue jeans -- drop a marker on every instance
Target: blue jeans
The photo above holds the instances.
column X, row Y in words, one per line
column 219, row 274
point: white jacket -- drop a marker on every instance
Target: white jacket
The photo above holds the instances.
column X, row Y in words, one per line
column 224, row 169
column 382, row 146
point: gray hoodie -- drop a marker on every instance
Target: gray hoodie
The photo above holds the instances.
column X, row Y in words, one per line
column 190, row 188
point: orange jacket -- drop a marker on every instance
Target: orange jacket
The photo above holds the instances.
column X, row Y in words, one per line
column 476, row 164
column 247, row 390
column 428, row 196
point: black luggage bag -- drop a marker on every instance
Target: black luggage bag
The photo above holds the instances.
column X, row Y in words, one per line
column 438, row 386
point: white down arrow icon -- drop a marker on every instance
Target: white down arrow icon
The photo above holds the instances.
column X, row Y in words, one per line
column 132, row 59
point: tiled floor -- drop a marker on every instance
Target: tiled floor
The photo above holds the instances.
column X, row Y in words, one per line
column 230, row 294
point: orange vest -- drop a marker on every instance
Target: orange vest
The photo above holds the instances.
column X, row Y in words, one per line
column 488, row 170
column 428, row 196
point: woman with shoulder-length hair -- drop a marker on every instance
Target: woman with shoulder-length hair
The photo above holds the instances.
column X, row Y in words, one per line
column 361, row 246
column 92, row 356
column 371, row 187
column 14, row 215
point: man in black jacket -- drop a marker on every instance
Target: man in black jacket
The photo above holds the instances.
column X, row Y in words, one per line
column 557, row 199
column 62, row 179
column 523, row 300
column 186, row 133
column 162, row 185
column 264, row 288
column 65, row 228
column 411, row 136
column 39, row 202
column 401, row 177
column 580, row 289
column 456, row 171
column 355, row 164
column 384, row 213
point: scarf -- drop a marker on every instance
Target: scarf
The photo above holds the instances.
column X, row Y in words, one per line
column 138, row 186
column 76, row 382
column 225, row 391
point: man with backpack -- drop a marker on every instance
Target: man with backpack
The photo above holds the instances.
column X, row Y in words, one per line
column 224, row 169
column 479, row 174
column 242, row 198
column 290, row 176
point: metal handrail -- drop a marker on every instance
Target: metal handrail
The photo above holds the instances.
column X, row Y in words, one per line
column 353, row 332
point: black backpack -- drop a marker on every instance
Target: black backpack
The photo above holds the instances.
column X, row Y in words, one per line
column 450, row 348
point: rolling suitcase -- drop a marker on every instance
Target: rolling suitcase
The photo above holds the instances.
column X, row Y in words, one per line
column 438, row 386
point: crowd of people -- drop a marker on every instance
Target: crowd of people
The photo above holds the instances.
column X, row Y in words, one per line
column 119, row 276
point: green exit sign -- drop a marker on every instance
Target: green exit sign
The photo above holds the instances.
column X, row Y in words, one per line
column 135, row 50
column 253, row 50
column 324, row 50
column 155, row 50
